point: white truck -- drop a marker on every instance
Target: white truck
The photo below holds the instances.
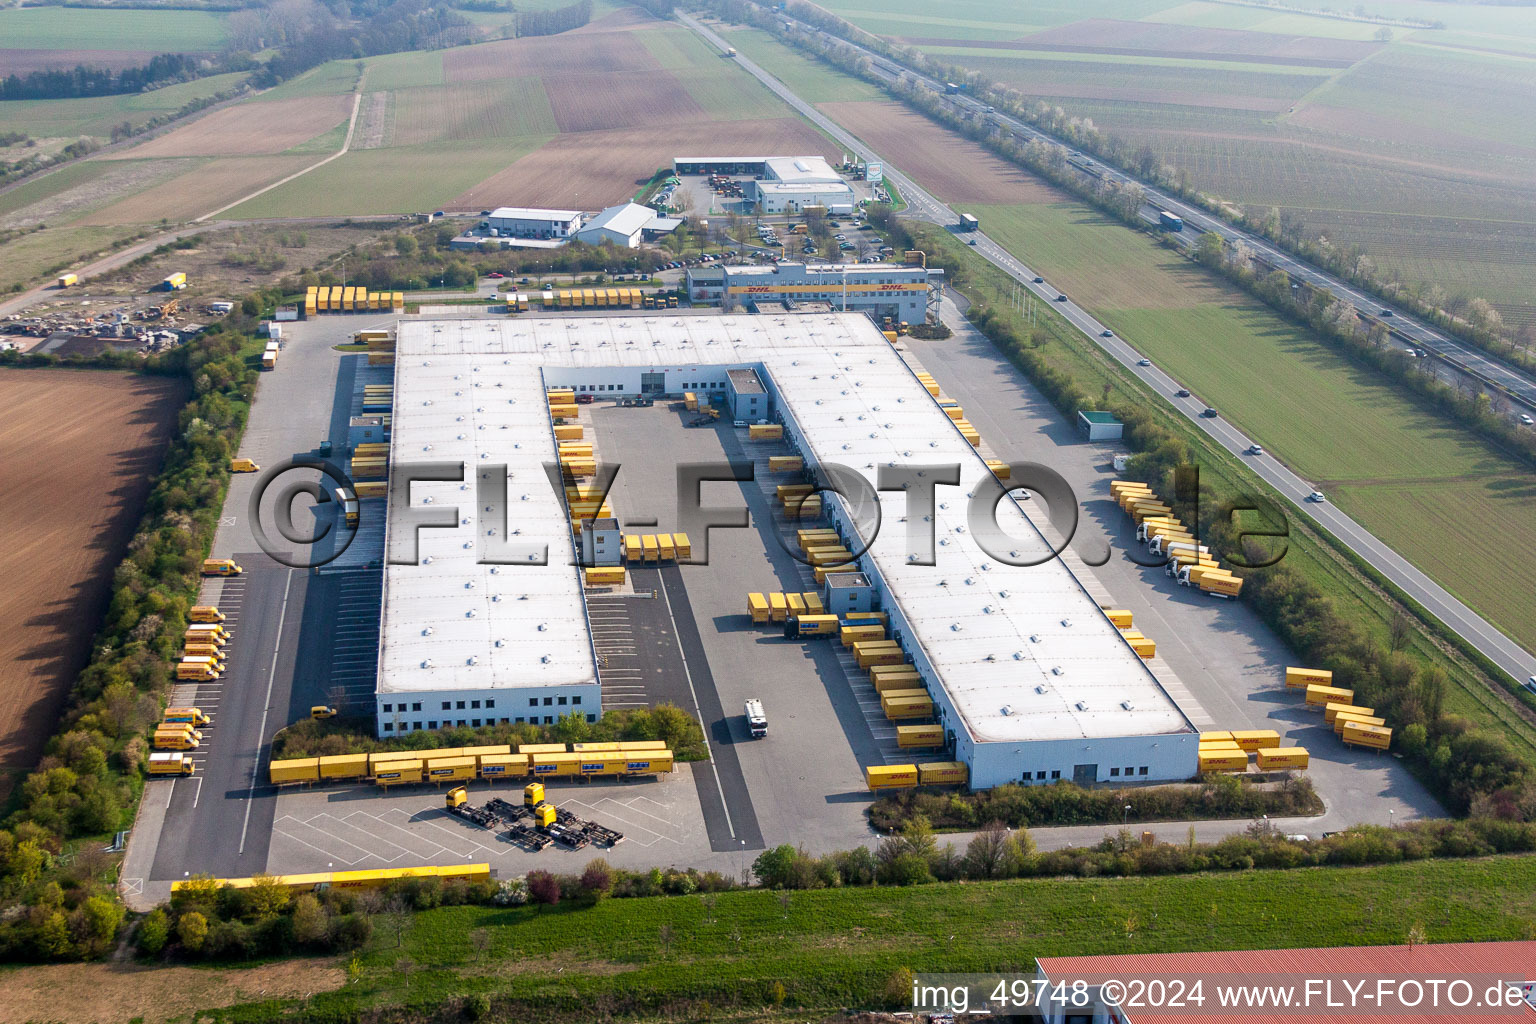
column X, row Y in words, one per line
column 757, row 718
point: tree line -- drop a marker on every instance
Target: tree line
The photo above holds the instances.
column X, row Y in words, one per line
column 553, row 22
column 84, row 80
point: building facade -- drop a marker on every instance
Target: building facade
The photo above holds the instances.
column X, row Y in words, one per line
column 526, row 222
column 878, row 289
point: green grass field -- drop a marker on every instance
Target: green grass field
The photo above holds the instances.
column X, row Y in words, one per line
column 72, row 28
column 1277, row 382
column 664, row 958
column 96, row 115
column 36, row 189
column 472, row 111
column 31, row 256
column 400, row 180
column 333, row 79
column 811, row 81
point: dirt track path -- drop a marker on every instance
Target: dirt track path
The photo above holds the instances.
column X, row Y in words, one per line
column 357, row 102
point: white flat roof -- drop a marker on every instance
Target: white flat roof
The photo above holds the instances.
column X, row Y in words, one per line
column 1026, row 638
column 800, row 168
column 800, row 188
column 626, row 219
column 531, row 213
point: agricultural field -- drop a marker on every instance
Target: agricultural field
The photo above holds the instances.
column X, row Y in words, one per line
column 38, row 38
column 74, row 488
column 96, row 116
column 1413, row 143
column 248, row 129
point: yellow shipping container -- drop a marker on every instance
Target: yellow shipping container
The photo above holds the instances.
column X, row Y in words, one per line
column 813, row 605
column 1271, row 758
column 909, row 737
column 1320, row 696
column 785, row 463
column 563, row 412
column 1358, row 734
column 606, row 576
column 451, row 769
column 568, row 432
column 399, row 301
column 542, row 748
column 1333, row 710
column 882, row 656
column 1346, row 717
column 851, row 635
column 642, row 744
column 554, row 764
column 665, row 551
column 651, row 547
column 821, row 572
column 1301, row 678
column 796, row 605
column 1121, row 618
column 909, row 707
column 682, row 546
column 501, row 766
column 758, row 608
column 1144, row 648
column 344, row 766
column 1214, row 736
column 633, row 552
column 1255, row 739
column 778, row 607
column 897, row 681
column 301, row 769
column 891, row 776
column 765, row 432
column 397, row 773
column 943, row 773
column 1224, row 762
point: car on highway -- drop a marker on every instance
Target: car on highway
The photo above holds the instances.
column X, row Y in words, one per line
column 1255, row 449
column 1039, row 280
column 1316, row 496
column 1181, row 393
column 1526, row 419
column 1143, row 362
column 1385, row 312
column 1061, row 298
column 1209, row 413
column 1106, row 333
column 971, row 242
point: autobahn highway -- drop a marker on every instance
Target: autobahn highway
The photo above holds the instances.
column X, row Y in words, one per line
column 1478, row 632
column 1517, row 384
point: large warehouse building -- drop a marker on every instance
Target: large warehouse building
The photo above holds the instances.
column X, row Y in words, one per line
column 525, row 222
column 901, row 291
column 1030, row 680
column 781, row 184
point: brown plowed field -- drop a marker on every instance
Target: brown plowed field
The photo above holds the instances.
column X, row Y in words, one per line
column 596, row 102
column 24, row 62
column 606, row 167
column 1109, row 35
column 945, row 164
column 207, row 188
column 249, row 128
column 80, row 447
column 568, row 53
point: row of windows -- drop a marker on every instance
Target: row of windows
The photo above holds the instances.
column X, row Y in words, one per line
column 475, row 705
column 473, row 723
column 1128, row 771
column 704, row 385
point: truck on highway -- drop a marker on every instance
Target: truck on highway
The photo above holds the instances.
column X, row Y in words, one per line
column 730, row 51
column 968, row 222
column 1169, row 221
column 68, row 280
column 757, row 718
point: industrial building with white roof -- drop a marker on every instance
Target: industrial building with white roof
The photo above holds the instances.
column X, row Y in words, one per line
column 1029, row 678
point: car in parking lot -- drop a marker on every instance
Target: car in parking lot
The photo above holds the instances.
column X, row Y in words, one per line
column 495, row 275
column 1316, row 496
column 1526, row 419
column 840, row 237
column 1143, row 362
column 1255, row 449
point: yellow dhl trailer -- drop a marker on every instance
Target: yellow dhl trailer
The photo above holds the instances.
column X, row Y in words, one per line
column 795, row 605
column 344, row 766
column 943, row 773
column 1358, row 734
column 813, row 605
column 568, row 432
column 887, row 678
column 294, row 771
column 204, row 613
column 1212, row 737
column 817, row 538
column 851, row 635
column 1145, row 649
column 778, row 607
column 815, row 625
column 451, row 769
column 821, row 572
column 321, row 881
column 503, row 766
column 1119, row 487
column 879, row 656
column 1218, row 761
column 396, row 773
column 758, row 608
column 765, row 432
column 890, row 776
column 682, row 547
column 563, row 412
column 1256, row 739
column 633, row 550
column 1121, row 618
column 1320, row 696
column 1333, row 709
column 1346, row 718
column 664, row 549
column 371, row 489
column 650, row 547
column 999, row 469
column 785, row 463
column 1301, row 678
column 916, row 737
column 1272, row 758
column 604, row 576
column 908, row 707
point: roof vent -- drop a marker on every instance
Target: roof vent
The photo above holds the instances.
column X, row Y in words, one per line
column 500, row 642
column 1067, row 623
column 426, row 631
column 1006, row 709
column 470, row 614
column 1081, row 705
column 426, row 560
column 472, row 660
column 986, row 609
column 543, row 626
column 427, row 663
column 1127, row 705
column 1042, row 689
column 1057, row 670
